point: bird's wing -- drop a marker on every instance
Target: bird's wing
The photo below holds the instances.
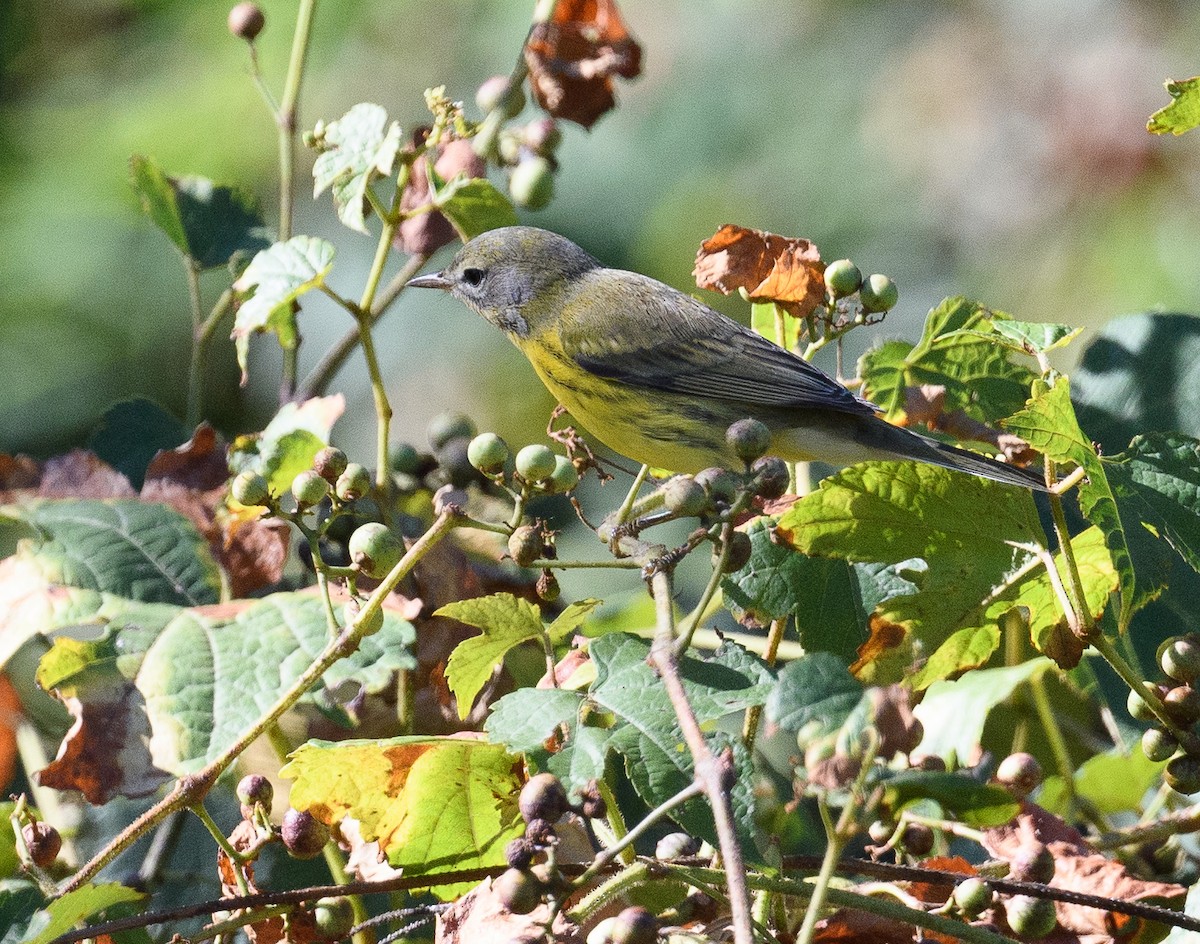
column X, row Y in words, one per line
column 672, row 342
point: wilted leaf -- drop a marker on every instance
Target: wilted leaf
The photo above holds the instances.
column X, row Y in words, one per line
column 425, row 233
column 778, row 269
column 434, row 804
column 359, row 147
column 208, row 223
column 572, row 59
column 278, row 276
column 480, row 916
column 1183, row 114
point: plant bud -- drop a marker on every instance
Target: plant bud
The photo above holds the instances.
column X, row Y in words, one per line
column 635, row 925
column 1020, row 773
column 535, row 463
column 771, row 477
column 253, row 789
column 1158, row 745
column 1180, row 658
column 740, row 550
column 1030, row 917
column 525, row 545
column 543, row 136
column 499, row 92
column 532, row 183
column 917, row 839
column 543, row 797
column 518, row 890
column 353, row 483
column 684, row 497
column 547, row 587
column 405, row 459
column 1183, row 774
column 446, row 426
column 1183, row 705
column 973, row 897
column 676, row 846
column 519, row 853
column 721, row 484
column 308, row 488
column 564, row 477
column 333, row 917
column 250, row 488
column 488, row 453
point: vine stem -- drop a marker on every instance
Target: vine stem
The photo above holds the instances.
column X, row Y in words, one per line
column 774, row 637
column 196, row 365
column 711, row 771
column 286, row 115
column 190, row 789
column 690, row 624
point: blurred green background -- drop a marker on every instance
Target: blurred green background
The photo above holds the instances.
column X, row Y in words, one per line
column 994, row 148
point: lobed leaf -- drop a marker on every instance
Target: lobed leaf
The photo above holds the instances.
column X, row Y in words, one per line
column 1183, row 114
column 434, row 804
column 278, row 276
column 361, row 146
column 473, row 205
column 287, row 445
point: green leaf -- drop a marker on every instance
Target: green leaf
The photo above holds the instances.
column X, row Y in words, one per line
column 627, row 710
column 893, row 512
column 20, row 900
column 976, row 804
column 434, row 804
column 1142, row 560
column 1183, row 114
column 206, row 222
column 1026, row 337
column 830, row 599
column 1140, row 374
column 362, row 145
column 278, row 275
column 767, row 318
column 288, row 444
column 206, row 675
column 816, row 688
column 506, row 621
column 978, row 376
column 1112, row 783
column 66, row 911
column 144, row 551
column 131, row 433
column 473, row 205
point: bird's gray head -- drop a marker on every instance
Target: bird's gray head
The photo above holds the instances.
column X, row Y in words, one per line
column 500, row 272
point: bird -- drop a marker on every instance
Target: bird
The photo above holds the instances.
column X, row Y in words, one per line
column 658, row 376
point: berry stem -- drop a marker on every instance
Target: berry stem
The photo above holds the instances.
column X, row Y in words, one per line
column 287, row 115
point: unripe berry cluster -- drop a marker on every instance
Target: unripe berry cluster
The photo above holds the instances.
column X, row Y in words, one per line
column 1179, row 745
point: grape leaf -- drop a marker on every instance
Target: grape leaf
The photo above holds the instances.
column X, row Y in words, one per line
column 892, row 512
column 1141, row 559
column 506, row 621
column 278, row 276
column 66, row 911
column 977, row 375
column 1025, row 337
column 360, row 146
column 434, row 804
column 131, row 433
column 1183, row 114
column 816, row 688
column 473, row 205
column 208, row 223
column 205, row 675
column 976, row 804
column 287, row 445
column 141, row 550
column 627, row 711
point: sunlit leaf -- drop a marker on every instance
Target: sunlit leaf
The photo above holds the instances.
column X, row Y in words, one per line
column 1183, row 114
column 361, row 146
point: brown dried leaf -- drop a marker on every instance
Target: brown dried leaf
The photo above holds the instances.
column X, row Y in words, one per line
column 859, row 927
column 884, row 636
column 834, row 773
column 82, row 474
column 939, row 893
column 424, row 234
column 10, row 717
column 770, row 268
column 300, row 926
column 479, row 916
column 106, row 752
column 572, row 59
column 899, row 730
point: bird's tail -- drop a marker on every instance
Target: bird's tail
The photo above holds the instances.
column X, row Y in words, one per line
column 951, row 457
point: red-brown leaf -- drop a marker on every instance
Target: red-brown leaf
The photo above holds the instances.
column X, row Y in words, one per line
column 770, row 268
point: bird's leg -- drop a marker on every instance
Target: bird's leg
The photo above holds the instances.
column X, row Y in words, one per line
column 578, row 451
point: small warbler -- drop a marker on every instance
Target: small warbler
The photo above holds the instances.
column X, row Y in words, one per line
column 658, row 376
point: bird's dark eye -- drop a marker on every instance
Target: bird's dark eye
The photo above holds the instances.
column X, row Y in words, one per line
column 472, row 276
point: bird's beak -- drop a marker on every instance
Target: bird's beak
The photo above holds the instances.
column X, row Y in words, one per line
column 430, row 280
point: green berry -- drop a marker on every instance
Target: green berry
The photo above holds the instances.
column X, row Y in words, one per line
column 973, row 897
column 1020, row 773
column 634, row 925
column 1180, row 659
column 564, row 477
column 842, row 278
column 334, row 917
column 246, row 21
column 720, row 484
column 684, row 497
column 329, row 463
column 878, row 294
column 308, row 488
column 373, row 624
column 880, row 832
column 1158, row 745
column 771, row 477
column 353, row 483
column 498, row 92
column 250, row 488
column 532, row 183
column 303, row 835
column 405, row 459
column 543, row 797
column 518, row 890
column 375, row 549
column 488, row 453
column 446, row 426
column 1030, row 917
column 748, row 439
column 525, row 545
column 1138, row 707
column 535, row 463
column 676, row 846
column 43, row 842
column 1183, row 774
